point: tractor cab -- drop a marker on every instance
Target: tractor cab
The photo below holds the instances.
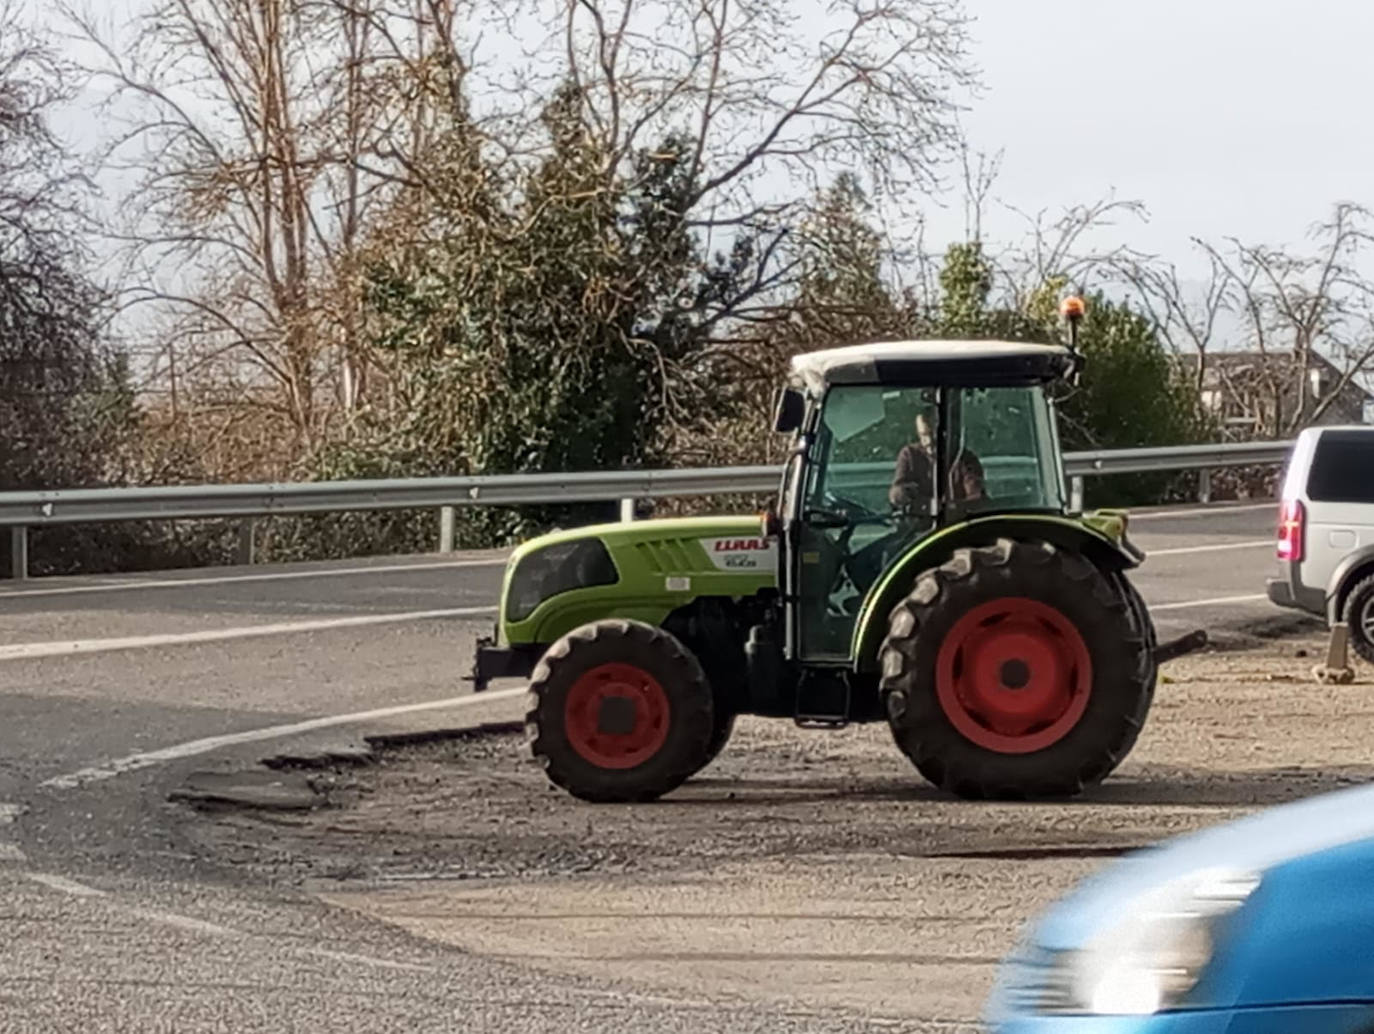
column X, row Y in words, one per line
column 893, row 443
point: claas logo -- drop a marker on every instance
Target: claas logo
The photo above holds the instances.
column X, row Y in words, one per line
column 737, row 545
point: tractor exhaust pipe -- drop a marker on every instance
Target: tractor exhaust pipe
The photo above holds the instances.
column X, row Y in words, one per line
column 1195, row 640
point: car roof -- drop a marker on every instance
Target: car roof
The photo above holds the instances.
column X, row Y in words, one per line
column 1366, row 428
column 932, row 362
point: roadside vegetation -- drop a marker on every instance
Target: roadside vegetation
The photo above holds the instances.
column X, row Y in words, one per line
column 384, row 238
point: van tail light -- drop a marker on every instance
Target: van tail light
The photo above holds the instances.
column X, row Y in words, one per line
column 1292, row 521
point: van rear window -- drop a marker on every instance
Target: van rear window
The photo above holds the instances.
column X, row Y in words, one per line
column 1343, row 468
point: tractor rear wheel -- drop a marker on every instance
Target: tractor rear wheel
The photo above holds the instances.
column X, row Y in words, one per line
column 1018, row 671
column 620, row 711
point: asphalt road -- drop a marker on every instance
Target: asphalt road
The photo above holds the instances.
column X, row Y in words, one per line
column 112, row 927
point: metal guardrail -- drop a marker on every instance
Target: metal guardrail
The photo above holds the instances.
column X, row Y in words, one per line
column 22, row 510
column 1176, row 457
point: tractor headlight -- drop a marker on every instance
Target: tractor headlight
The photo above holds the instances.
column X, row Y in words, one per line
column 1145, row 963
column 558, row 568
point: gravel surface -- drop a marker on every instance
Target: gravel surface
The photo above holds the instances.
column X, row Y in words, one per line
column 1229, row 731
column 804, row 869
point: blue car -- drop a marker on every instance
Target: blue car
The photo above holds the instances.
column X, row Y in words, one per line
column 1261, row 926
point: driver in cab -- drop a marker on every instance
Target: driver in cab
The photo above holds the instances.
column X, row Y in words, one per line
column 913, row 480
column 911, row 497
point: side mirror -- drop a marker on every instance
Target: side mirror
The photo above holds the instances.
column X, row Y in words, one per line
column 790, row 412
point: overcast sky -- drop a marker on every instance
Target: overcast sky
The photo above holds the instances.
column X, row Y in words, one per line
column 1226, row 117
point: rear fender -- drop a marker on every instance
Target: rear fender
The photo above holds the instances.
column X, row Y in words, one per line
column 1092, row 536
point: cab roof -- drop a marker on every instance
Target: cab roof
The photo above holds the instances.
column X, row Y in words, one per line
column 935, row 363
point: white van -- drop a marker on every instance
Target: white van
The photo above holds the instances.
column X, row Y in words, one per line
column 1326, row 530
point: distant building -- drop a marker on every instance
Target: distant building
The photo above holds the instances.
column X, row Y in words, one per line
column 1256, row 395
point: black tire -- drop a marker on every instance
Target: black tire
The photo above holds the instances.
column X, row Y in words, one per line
column 1102, row 608
column 690, row 722
column 1140, row 614
column 1358, row 614
column 721, row 728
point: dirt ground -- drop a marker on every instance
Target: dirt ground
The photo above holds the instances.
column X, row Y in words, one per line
column 809, row 869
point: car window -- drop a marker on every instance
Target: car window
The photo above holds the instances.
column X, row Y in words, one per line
column 1343, row 468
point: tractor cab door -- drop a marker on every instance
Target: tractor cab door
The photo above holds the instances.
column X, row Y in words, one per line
column 868, row 493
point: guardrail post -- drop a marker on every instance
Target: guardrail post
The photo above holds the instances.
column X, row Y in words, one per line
column 246, row 543
column 1204, row 485
column 19, row 553
column 627, row 510
column 447, row 516
column 1076, row 493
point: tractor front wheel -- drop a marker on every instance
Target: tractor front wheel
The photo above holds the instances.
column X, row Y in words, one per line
column 722, row 727
column 620, row 711
column 1017, row 671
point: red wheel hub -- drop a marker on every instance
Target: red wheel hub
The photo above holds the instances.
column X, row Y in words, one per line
column 616, row 716
column 1014, row 675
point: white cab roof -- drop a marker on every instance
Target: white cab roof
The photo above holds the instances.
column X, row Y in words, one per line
column 859, row 363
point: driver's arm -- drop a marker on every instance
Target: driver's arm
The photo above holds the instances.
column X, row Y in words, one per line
column 968, row 478
column 908, row 481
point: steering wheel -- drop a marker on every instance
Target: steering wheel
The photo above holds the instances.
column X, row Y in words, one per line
column 855, row 513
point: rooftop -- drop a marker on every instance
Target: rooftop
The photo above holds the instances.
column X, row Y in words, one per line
column 975, row 363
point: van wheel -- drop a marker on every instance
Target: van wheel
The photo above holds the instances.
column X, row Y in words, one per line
column 1358, row 614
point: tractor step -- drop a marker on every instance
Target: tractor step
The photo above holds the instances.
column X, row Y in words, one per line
column 822, row 700
column 820, row 722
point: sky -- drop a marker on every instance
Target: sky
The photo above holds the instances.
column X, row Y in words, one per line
column 1225, row 117
column 1244, row 118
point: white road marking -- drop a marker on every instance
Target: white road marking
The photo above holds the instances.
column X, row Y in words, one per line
column 1180, row 550
column 185, row 923
column 66, row 886
column 1203, row 511
column 134, row 762
column 1215, row 601
column 29, row 651
column 207, row 929
column 368, row 960
column 229, row 579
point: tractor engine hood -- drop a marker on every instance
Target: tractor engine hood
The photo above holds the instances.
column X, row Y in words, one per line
column 642, row 570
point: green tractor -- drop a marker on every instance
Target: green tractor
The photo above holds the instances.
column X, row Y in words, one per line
column 919, row 567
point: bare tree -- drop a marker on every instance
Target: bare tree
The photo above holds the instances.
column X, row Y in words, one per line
column 66, row 418
column 1302, row 313
column 1062, row 249
column 767, row 104
column 1187, row 321
column 41, row 191
column 263, row 136
column 979, row 175
column 794, row 92
column 279, row 146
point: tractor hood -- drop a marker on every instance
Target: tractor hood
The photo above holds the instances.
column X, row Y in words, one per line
column 641, row 570
column 677, row 529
